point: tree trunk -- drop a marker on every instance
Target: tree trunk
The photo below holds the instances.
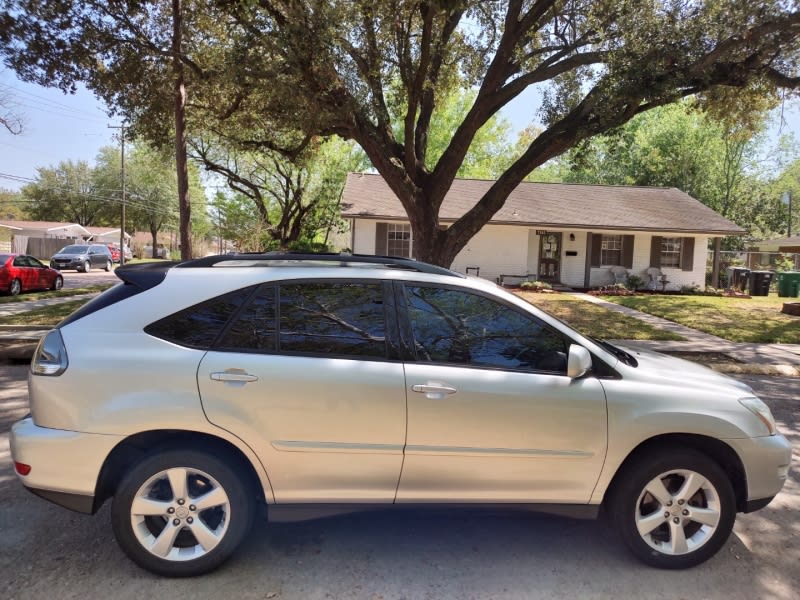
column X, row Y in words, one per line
column 184, row 202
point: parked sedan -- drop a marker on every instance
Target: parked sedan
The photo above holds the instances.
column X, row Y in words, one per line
column 22, row 273
column 82, row 257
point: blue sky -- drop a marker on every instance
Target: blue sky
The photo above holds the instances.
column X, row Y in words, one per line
column 74, row 127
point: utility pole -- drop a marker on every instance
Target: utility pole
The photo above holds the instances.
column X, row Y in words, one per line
column 122, row 215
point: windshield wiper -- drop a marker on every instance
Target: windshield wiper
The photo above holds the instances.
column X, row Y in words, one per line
column 625, row 357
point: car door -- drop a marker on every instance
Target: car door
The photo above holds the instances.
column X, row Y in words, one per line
column 492, row 415
column 40, row 274
column 307, row 376
column 24, row 272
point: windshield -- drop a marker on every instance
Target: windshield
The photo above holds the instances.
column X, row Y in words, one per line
column 73, row 250
column 625, row 357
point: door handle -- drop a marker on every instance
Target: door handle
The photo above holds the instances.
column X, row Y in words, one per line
column 234, row 377
column 434, row 391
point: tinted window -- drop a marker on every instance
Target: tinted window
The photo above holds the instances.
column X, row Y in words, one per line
column 199, row 325
column 342, row 319
column 254, row 327
column 21, row 261
column 73, row 250
column 457, row 327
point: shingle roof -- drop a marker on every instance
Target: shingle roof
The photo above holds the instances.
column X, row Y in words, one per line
column 552, row 205
column 43, row 225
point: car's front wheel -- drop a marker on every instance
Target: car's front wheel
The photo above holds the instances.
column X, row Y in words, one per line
column 182, row 512
column 87, row 267
column 58, row 283
column 674, row 510
column 108, row 265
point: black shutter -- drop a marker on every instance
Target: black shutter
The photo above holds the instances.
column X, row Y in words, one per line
column 596, row 246
column 687, row 254
column 381, row 238
column 627, row 251
column 655, row 252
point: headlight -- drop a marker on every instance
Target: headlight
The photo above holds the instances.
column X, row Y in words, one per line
column 762, row 411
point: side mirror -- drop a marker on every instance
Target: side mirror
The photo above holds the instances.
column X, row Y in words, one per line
column 579, row 362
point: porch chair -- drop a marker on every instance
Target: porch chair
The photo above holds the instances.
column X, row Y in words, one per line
column 654, row 276
column 620, row 274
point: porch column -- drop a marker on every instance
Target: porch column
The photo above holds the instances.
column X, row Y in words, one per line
column 715, row 267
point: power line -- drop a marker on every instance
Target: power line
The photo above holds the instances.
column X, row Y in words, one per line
column 52, row 103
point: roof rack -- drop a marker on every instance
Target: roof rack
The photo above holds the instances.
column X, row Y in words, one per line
column 342, row 260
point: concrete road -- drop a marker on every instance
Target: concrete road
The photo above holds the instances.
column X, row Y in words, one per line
column 75, row 279
column 49, row 552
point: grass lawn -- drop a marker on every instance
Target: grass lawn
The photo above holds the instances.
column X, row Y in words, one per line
column 49, row 316
column 594, row 320
column 758, row 319
column 27, row 296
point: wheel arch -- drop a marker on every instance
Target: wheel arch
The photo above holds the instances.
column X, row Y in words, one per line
column 717, row 450
column 134, row 447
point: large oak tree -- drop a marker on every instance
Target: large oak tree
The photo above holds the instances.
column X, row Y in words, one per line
column 277, row 70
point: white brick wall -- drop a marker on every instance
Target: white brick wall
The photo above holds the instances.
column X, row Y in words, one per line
column 514, row 249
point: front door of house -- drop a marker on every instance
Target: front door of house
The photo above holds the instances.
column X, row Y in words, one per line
column 549, row 257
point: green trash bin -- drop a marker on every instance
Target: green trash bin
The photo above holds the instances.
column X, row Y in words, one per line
column 789, row 284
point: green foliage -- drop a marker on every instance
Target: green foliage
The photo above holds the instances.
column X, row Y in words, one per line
column 12, row 205
column 535, row 286
column 634, row 282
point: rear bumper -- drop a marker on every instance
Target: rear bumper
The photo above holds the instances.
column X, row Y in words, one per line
column 65, row 465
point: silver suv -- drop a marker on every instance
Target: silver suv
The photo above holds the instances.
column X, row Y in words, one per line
column 322, row 384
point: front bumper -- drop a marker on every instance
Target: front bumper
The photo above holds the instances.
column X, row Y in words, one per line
column 766, row 463
column 65, row 465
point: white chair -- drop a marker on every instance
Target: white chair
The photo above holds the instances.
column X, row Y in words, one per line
column 654, row 276
column 620, row 274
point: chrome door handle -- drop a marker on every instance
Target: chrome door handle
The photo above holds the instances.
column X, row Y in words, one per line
column 234, row 376
column 434, row 391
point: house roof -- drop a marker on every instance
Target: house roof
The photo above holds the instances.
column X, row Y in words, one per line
column 41, row 225
column 552, row 206
column 97, row 231
column 787, row 242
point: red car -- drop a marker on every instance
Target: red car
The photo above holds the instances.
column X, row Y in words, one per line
column 22, row 273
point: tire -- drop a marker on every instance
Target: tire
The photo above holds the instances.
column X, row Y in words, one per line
column 108, row 266
column 145, row 509
column 667, row 531
column 58, row 283
column 87, row 267
column 15, row 288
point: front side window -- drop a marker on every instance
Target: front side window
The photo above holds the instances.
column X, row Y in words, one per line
column 462, row 328
column 398, row 241
column 338, row 319
column 611, row 250
column 671, row 252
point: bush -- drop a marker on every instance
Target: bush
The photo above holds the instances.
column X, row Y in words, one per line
column 634, row 282
column 535, row 286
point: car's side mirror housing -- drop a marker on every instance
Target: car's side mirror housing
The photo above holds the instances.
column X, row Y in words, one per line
column 579, row 362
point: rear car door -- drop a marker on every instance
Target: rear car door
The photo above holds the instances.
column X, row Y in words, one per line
column 26, row 275
column 307, row 375
column 492, row 415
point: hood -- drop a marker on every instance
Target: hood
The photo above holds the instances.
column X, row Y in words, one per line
column 654, row 365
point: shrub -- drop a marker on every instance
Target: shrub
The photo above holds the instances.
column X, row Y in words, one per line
column 535, row 286
column 634, row 282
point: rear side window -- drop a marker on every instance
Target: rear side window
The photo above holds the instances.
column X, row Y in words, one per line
column 333, row 318
column 199, row 325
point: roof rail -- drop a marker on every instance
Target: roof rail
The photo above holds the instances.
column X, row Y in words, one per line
column 342, row 260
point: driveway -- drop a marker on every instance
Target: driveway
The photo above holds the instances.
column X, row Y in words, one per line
column 74, row 279
column 46, row 551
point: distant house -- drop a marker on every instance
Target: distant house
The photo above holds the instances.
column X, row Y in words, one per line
column 106, row 235
column 572, row 234
column 41, row 238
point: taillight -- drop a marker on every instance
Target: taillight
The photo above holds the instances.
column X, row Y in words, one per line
column 22, row 468
column 50, row 357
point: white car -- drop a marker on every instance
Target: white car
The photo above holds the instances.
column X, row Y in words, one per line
column 318, row 384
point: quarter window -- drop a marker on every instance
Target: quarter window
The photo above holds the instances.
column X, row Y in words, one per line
column 199, row 325
column 254, row 329
column 339, row 319
column 671, row 252
column 451, row 326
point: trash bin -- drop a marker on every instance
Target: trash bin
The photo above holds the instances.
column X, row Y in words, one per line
column 788, row 284
column 760, row 282
column 737, row 278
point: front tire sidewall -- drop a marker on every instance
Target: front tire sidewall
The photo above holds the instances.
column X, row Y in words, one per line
column 226, row 472
column 108, row 266
column 15, row 288
column 631, row 483
column 87, row 267
column 58, row 283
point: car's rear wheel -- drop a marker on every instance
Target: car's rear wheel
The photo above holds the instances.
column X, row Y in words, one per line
column 108, row 265
column 15, row 288
column 182, row 512
column 673, row 511
column 58, row 283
